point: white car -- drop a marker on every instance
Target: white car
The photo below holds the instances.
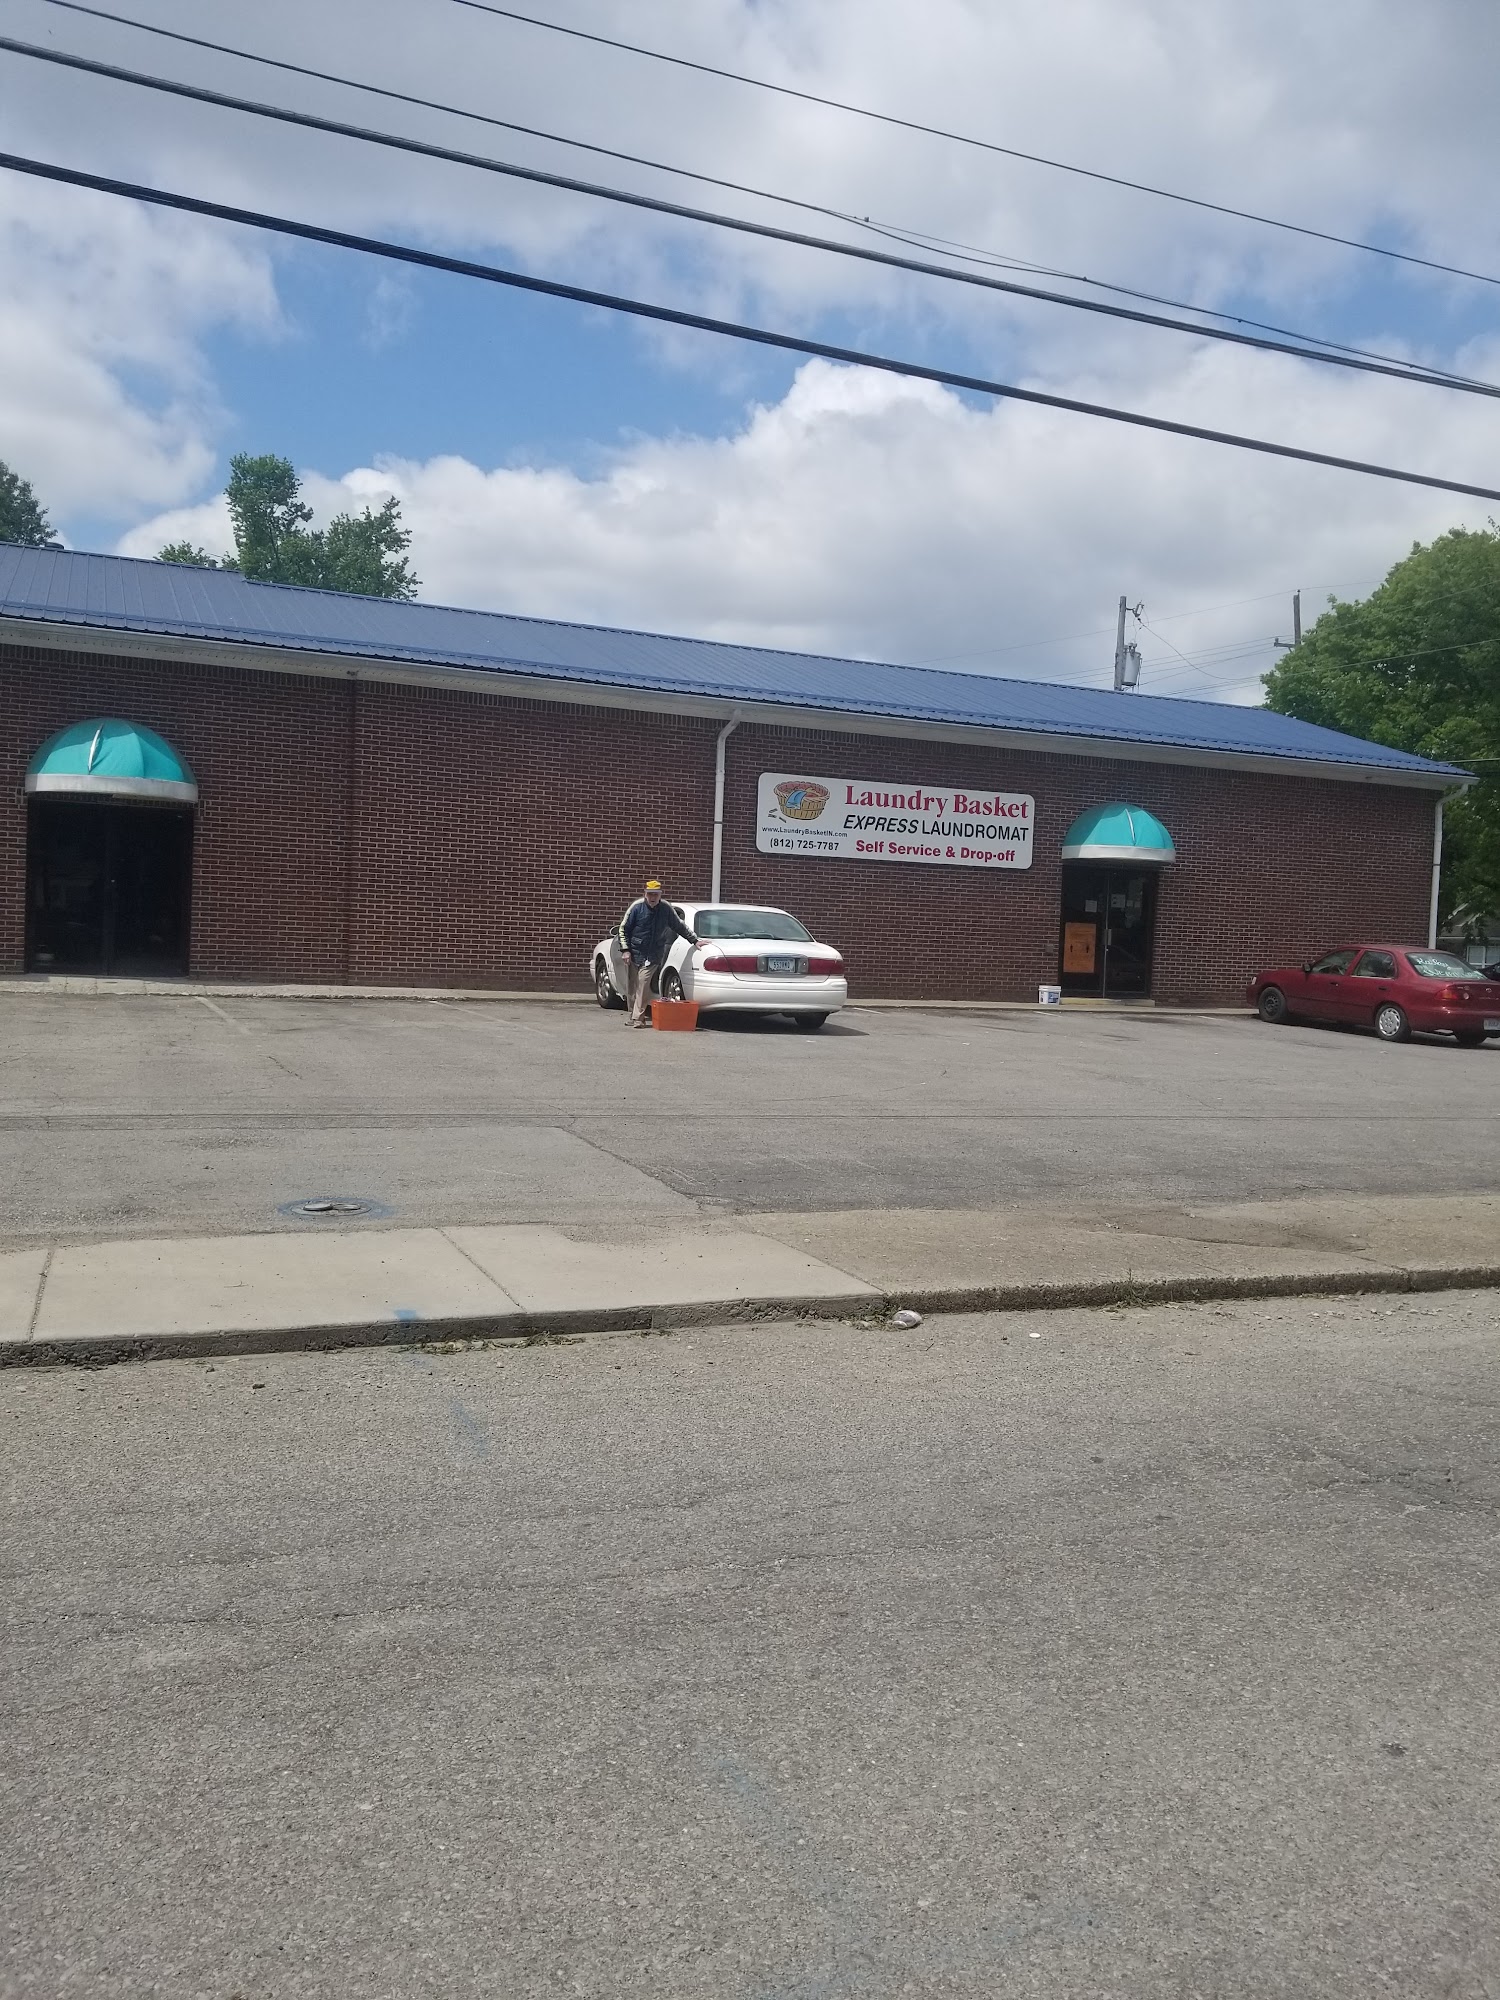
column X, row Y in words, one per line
column 751, row 960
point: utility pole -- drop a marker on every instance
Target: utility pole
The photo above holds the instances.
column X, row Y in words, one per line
column 1127, row 658
column 1281, row 644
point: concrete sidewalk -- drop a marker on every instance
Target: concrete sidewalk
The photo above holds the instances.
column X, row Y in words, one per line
column 88, row 986
column 110, row 1301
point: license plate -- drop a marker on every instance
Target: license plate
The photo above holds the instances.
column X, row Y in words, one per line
column 785, row 966
column 1492, row 1027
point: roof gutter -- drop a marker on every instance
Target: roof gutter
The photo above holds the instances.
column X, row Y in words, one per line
column 523, row 683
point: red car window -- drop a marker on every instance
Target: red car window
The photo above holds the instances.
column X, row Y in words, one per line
column 1438, row 965
column 1376, row 965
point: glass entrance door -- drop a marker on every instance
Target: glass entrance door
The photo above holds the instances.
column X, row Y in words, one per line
column 1108, row 931
column 107, row 888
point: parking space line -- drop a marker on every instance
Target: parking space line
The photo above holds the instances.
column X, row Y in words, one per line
column 203, row 1001
column 241, row 1028
column 485, row 1020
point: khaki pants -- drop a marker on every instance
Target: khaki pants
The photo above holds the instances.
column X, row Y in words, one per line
column 640, row 994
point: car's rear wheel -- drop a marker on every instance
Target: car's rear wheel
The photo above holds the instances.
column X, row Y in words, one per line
column 1271, row 1006
column 809, row 1023
column 1470, row 1040
column 604, row 986
column 671, row 985
column 1391, row 1023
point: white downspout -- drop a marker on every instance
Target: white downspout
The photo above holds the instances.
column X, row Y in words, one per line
column 1437, row 867
column 718, row 869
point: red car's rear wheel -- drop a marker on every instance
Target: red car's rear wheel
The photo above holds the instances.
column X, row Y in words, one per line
column 1391, row 1023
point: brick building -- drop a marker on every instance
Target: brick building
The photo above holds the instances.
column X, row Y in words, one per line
column 238, row 780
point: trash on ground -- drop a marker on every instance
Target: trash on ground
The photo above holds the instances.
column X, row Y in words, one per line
column 906, row 1317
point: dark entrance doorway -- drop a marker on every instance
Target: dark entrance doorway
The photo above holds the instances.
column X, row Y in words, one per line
column 107, row 887
column 1108, row 930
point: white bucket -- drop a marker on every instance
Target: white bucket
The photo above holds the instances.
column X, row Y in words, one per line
column 1049, row 996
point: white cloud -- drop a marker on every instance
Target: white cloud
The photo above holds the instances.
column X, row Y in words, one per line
column 105, row 404
column 868, row 515
column 206, row 526
column 859, row 513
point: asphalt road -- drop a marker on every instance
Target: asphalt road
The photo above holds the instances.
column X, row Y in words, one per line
column 175, row 1116
column 1130, row 1653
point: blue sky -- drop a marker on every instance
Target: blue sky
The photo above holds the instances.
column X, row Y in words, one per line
column 558, row 460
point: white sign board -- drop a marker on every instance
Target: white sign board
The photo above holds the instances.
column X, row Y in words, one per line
column 871, row 819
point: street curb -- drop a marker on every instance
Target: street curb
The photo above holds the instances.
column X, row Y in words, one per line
column 528, row 1329
column 82, row 987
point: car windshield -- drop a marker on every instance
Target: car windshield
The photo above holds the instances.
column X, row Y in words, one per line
column 751, row 924
column 1439, row 965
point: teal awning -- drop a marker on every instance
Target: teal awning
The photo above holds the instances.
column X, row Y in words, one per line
column 110, row 759
column 1118, row 832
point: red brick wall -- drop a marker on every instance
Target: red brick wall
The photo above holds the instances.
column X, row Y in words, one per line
column 495, row 840
column 498, row 840
column 1268, row 869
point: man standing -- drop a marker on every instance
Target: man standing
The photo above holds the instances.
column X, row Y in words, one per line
column 646, row 933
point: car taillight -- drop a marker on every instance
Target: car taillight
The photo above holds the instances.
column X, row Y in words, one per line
column 716, row 962
column 1456, row 993
column 825, row 967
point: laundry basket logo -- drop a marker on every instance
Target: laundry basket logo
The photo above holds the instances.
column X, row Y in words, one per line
column 800, row 798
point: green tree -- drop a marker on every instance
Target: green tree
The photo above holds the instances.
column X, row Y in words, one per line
column 21, row 518
column 270, row 520
column 188, row 554
column 365, row 552
column 274, row 542
column 1417, row 665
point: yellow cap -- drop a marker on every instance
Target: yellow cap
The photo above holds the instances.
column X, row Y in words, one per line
column 653, row 885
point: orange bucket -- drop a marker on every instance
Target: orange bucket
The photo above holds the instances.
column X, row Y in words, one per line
column 679, row 1014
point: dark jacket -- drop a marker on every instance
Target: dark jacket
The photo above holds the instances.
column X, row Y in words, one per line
column 646, row 935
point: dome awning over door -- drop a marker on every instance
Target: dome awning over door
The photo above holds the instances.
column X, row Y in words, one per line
column 1118, row 832
column 110, row 759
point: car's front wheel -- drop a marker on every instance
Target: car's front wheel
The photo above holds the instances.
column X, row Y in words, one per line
column 809, row 1023
column 1271, row 1006
column 1391, row 1023
column 671, row 985
column 604, row 986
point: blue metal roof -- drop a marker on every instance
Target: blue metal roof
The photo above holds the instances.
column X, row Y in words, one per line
column 117, row 594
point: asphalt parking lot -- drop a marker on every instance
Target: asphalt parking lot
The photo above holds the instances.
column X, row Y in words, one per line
column 176, row 1115
column 1120, row 1653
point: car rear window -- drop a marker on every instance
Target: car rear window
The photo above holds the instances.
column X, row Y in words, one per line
column 1439, row 965
column 775, row 924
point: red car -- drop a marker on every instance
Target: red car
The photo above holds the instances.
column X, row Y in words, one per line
column 1392, row 988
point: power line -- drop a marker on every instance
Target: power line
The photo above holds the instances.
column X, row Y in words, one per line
column 921, row 239
column 1225, row 657
column 1105, row 632
column 982, row 145
column 700, row 322
column 368, row 135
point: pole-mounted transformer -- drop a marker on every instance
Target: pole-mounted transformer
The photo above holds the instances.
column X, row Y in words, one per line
column 1127, row 658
